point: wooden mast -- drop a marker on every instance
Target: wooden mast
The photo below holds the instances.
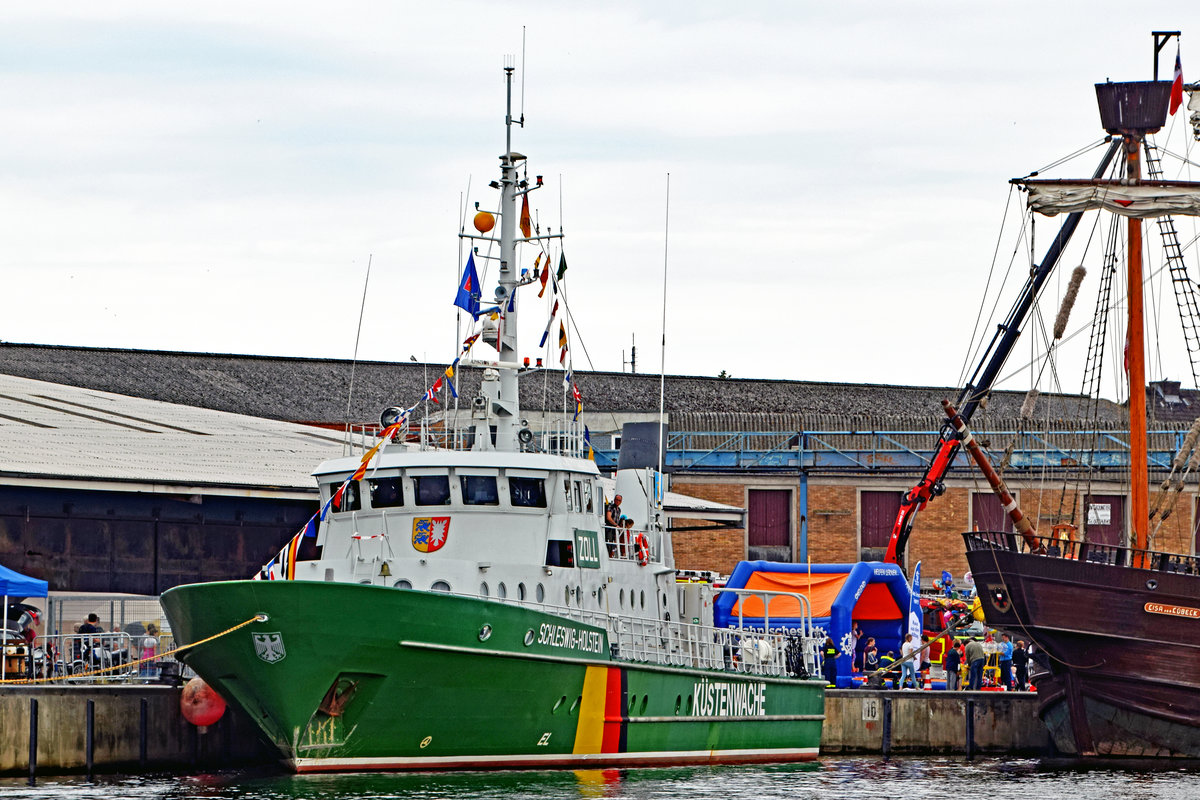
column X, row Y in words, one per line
column 1131, row 111
column 1139, row 501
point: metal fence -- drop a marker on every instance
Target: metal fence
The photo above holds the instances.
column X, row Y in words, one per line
column 134, row 644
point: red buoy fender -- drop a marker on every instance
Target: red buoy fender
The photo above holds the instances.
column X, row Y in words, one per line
column 200, row 703
column 641, row 549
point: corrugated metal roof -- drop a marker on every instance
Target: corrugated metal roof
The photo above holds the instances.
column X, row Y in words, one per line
column 316, row 390
column 51, row 431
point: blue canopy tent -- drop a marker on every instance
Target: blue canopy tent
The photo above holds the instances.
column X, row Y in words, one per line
column 871, row 593
column 14, row 584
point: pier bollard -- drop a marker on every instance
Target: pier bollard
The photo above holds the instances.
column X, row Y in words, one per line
column 886, row 746
column 33, row 740
column 142, row 733
column 970, row 729
column 90, row 737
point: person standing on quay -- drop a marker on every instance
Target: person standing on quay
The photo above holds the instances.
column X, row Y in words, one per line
column 1021, row 662
column 829, row 666
column 1006, row 661
column 975, row 655
column 952, row 662
column 907, row 668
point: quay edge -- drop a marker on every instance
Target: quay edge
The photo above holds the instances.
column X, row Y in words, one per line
column 922, row 723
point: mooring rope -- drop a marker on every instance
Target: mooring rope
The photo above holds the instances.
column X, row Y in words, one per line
column 140, row 661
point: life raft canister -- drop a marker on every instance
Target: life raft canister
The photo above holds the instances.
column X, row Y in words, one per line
column 641, row 549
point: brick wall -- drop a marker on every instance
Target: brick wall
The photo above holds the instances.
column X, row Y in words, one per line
column 833, row 519
column 832, row 524
column 720, row 549
column 936, row 539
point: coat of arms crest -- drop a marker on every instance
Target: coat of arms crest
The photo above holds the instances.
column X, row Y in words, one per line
column 269, row 647
column 430, row 533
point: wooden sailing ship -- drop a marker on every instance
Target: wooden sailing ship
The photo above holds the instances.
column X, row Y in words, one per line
column 1120, row 625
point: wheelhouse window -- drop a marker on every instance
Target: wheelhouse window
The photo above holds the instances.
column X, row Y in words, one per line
column 527, row 492
column 432, row 490
column 479, row 490
column 560, row 553
column 386, row 492
column 351, row 500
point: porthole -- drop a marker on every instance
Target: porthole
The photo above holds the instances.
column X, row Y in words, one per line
column 529, row 640
column 621, row 598
column 501, row 590
column 439, row 586
column 540, row 594
column 632, row 703
column 645, row 700
column 643, row 594
column 600, row 596
column 483, row 589
column 678, row 703
column 402, row 584
column 520, row 591
column 567, row 595
column 575, row 705
column 579, row 596
column 664, row 601
column 689, row 705
column 485, row 633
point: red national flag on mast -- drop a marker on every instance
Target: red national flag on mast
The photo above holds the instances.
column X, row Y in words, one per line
column 1177, row 86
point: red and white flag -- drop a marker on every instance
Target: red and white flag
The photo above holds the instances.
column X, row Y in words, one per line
column 1177, row 87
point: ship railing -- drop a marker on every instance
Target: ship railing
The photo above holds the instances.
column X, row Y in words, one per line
column 621, row 544
column 562, row 437
column 745, row 651
column 778, row 652
column 1079, row 550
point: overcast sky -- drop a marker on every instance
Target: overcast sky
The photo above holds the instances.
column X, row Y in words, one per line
column 213, row 177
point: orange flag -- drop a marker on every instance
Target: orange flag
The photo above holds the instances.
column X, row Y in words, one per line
column 526, row 222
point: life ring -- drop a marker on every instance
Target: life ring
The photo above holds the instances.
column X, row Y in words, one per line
column 641, row 549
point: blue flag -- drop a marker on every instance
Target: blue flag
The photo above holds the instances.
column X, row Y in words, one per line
column 915, row 619
column 468, row 291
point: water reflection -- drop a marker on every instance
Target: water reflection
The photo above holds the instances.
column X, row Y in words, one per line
column 841, row 778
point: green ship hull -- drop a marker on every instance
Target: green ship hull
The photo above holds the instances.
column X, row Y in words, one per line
column 347, row 677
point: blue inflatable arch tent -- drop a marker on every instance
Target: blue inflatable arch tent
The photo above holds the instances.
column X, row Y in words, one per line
column 871, row 593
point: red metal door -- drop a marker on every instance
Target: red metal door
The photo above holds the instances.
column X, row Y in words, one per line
column 877, row 515
column 1105, row 515
column 770, row 525
column 988, row 514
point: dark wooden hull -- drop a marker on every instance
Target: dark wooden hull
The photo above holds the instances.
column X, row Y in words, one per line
column 1123, row 643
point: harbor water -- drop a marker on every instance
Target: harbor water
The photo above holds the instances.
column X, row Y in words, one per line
column 842, row 778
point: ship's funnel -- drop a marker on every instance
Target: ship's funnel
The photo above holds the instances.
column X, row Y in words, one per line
column 639, row 445
column 1136, row 108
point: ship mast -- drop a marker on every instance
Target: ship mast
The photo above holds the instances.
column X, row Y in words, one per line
column 1139, row 467
column 1133, row 110
column 506, row 407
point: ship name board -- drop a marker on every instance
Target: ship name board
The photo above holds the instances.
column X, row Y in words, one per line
column 570, row 638
column 1174, row 611
column 729, row 699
